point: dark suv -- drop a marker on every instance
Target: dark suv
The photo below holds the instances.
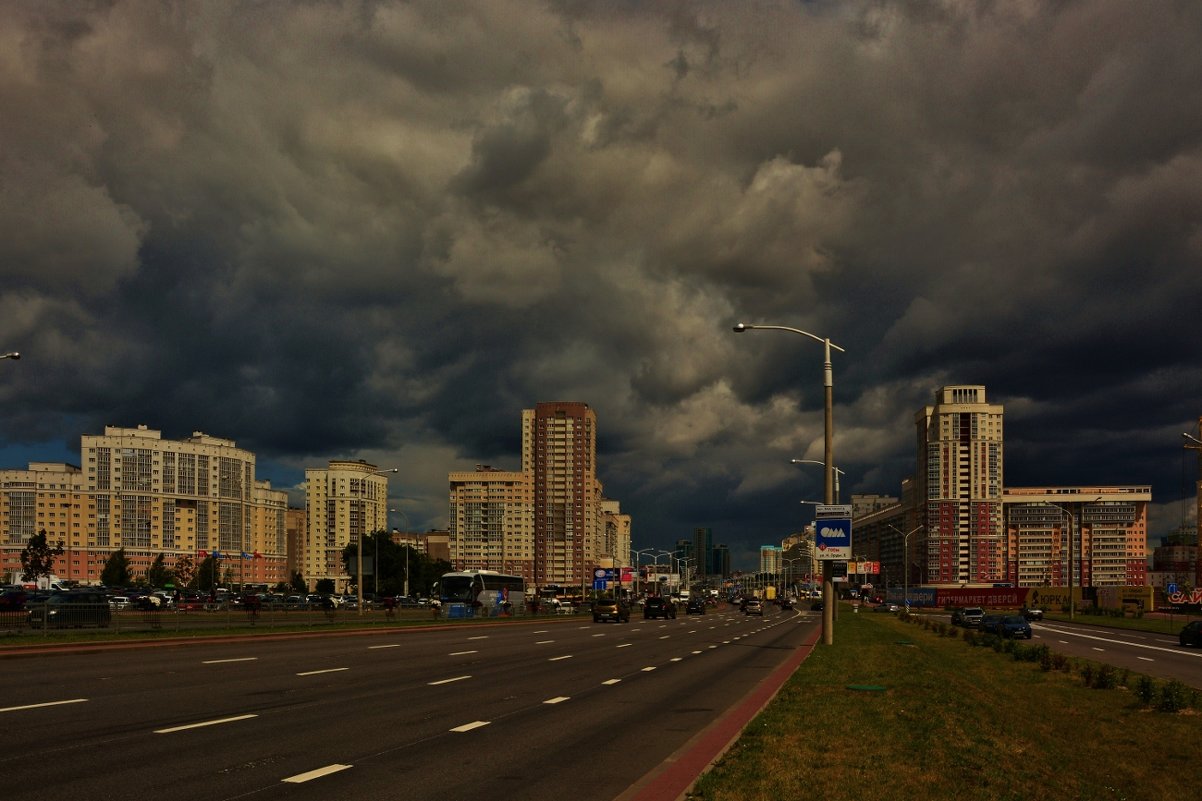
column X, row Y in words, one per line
column 695, row 606
column 658, row 606
column 71, row 609
column 610, row 609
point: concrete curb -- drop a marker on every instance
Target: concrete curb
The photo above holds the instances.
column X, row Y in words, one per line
column 679, row 772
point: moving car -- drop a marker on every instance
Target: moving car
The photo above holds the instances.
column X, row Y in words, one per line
column 657, row 606
column 1191, row 634
column 886, row 606
column 991, row 624
column 1032, row 613
column 970, row 617
column 1014, row 626
column 695, row 606
column 754, row 607
column 610, row 609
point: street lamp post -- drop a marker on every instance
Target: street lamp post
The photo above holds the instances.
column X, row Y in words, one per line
column 828, row 459
column 905, row 562
column 362, row 534
column 838, row 472
column 1072, row 603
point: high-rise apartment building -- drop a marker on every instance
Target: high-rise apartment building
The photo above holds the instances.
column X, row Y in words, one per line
column 1107, row 527
column 959, row 487
column 560, row 441
column 151, row 497
column 703, row 550
column 343, row 502
column 492, row 521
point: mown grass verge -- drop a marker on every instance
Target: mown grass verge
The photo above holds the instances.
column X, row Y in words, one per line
column 953, row 721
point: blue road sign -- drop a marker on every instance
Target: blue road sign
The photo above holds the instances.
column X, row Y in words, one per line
column 833, row 538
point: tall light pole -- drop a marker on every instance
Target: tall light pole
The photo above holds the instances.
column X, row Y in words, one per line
column 838, row 472
column 362, row 534
column 828, row 459
column 906, row 562
column 1195, row 444
column 1072, row 603
column 405, row 517
column 655, row 553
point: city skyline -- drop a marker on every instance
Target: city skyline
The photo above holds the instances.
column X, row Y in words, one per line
column 344, row 231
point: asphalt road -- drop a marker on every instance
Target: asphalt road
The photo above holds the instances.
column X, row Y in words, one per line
column 549, row 710
column 1157, row 655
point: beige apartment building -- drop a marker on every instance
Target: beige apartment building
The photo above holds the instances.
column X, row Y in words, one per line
column 549, row 521
column 150, row 496
column 343, row 501
column 492, row 521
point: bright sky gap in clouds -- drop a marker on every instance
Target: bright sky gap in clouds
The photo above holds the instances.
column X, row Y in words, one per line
column 380, row 230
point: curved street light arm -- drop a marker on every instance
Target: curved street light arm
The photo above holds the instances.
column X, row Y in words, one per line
column 741, row 327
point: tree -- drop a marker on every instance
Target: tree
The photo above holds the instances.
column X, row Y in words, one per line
column 37, row 558
column 299, row 584
column 206, row 573
column 184, row 570
column 325, row 586
column 158, row 575
column 116, row 570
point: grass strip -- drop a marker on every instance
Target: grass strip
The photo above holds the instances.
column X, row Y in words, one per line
column 953, row 722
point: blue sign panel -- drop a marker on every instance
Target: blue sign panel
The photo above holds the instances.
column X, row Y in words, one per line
column 833, row 538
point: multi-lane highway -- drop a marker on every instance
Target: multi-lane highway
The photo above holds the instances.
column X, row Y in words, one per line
column 546, row 710
column 1157, row 655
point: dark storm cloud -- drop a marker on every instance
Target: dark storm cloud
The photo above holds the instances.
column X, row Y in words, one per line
column 382, row 229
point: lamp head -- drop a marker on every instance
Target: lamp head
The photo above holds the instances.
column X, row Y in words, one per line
column 14, row 355
column 740, row 328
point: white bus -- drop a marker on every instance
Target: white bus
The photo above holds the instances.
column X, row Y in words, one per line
column 488, row 591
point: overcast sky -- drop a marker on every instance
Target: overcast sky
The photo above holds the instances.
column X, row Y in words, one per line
column 381, row 230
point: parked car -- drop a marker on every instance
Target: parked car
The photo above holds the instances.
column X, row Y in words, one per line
column 1014, row 626
column 1191, row 634
column 13, row 600
column 610, row 609
column 886, row 606
column 658, row 606
column 1032, row 613
column 71, row 609
column 695, row 606
column 958, row 616
column 816, row 606
column 754, row 607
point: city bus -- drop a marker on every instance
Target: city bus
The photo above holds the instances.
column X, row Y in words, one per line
column 487, row 590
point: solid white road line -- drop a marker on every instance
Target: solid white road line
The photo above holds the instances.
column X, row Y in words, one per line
column 202, row 724
column 223, row 661
column 301, row 778
column 45, row 703
column 446, row 681
column 319, row 672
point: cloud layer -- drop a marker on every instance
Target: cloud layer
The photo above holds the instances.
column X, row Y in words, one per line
column 335, row 229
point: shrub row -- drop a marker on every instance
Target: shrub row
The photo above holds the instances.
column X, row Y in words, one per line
column 1168, row 696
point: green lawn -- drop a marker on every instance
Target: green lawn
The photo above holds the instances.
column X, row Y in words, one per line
column 954, row 721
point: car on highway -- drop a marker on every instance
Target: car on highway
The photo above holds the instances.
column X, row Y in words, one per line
column 1014, row 626
column 886, row 606
column 658, row 606
column 71, row 609
column 610, row 609
column 969, row 617
column 754, row 607
column 990, row 624
column 1191, row 634
column 695, row 606
column 1032, row 613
